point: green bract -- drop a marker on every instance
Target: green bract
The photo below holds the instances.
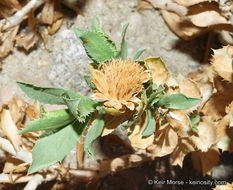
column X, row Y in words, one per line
column 63, row 128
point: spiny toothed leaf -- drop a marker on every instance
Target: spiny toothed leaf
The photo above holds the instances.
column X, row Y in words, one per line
column 80, row 106
column 98, row 47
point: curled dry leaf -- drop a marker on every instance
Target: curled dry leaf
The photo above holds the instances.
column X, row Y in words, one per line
column 112, row 122
column 47, row 12
column 201, row 16
column 215, row 106
column 229, row 111
column 17, row 110
column 159, row 70
column 9, row 129
column 183, row 147
column 188, row 87
column 180, row 27
column 7, row 41
column 207, row 134
column 55, row 26
column 213, row 18
column 165, row 141
column 222, row 62
column 180, row 122
column 27, row 41
column 225, row 135
column 205, row 161
column 221, row 128
column 136, row 138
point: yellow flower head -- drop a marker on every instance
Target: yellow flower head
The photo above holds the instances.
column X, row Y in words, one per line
column 119, row 83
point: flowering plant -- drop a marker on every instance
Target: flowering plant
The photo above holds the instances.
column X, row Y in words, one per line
column 140, row 96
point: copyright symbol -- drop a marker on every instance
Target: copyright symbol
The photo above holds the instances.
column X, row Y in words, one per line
column 150, row 182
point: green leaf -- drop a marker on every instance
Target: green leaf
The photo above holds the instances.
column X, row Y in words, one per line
column 80, row 106
column 150, row 126
column 50, row 132
column 46, row 95
column 51, row 120
column 177, row 101
column 123, row 53
column 138, row 54
column 53, row 148
column 98, row 47
column 95, row 27
column 195, row 119
column 94, row 132
column 153, row 97
column 195, row 129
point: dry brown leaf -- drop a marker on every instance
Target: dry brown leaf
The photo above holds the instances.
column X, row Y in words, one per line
column 229, row 111
column 188, row 3
column 9, row 129
column 207, row 18
column 207, row 134
column 58, row 11
column 205, row 161
column 33, row 111
column 222, row 62
column 180, row 121
column 8, row 7
column 14, row 165
column 112, row 122
column 165, row 141
column 27, row 41
column 55, row 26
column 159, row 70
column 47, row 13
column 44, row 35
column 182, row 28
column 184, row 147
column 188, row 87
column 32, row 21
column 215, row 106
column 80, row 151
column 17, row 110
column 222, row 127
column 225, row 134
column 228, row 186
column 144, row 5
column 7, row 41
column 135, row 136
